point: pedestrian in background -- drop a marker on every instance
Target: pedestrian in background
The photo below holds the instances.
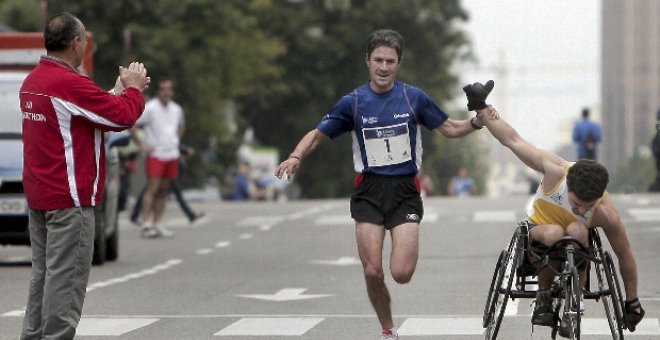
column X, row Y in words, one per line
column 586, row 133
column 242, row 183
column 462, row 184
column 384, row 117
column 177, row 190
column 163, row 124
column 655, row 148
column 64, row 117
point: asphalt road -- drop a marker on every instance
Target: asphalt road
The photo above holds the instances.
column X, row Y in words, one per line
column 290, row 271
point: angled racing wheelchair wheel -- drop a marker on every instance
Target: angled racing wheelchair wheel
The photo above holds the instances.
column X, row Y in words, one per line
column 610, row 290
column 493, row 292
column 499, row 293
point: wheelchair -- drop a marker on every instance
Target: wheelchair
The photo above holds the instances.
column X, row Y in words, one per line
column 515, row 277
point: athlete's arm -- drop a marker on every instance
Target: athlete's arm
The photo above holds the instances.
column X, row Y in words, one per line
column 607, row 217
column 538, row 159
column 455, row 128
column 306, row 145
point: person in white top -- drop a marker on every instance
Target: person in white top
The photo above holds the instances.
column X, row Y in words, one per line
column 163, row 124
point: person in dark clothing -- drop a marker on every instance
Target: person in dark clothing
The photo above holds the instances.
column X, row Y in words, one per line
column 587, row 135
column 655, row 147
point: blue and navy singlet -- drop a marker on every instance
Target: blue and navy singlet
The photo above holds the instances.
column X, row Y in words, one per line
column 385, row 127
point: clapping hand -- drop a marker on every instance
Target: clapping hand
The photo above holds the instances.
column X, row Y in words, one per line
column 135, row 75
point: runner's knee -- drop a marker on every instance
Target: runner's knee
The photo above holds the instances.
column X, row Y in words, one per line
column 403, row 275
column 373, row 272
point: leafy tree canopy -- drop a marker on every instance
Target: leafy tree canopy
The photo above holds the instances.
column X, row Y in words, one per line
column 274, row 65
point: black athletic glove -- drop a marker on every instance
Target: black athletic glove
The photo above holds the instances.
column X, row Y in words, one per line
column 632, row 316
column 477, row 94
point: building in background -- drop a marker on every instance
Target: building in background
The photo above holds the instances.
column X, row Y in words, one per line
column 630, row 71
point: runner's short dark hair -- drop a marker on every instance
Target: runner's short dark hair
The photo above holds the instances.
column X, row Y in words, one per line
column 385, row 37
column 587, row 179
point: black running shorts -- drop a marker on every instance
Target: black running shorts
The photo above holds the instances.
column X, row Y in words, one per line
column 387, row 200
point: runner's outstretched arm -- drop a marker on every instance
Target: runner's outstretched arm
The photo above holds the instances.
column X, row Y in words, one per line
column 307, row 144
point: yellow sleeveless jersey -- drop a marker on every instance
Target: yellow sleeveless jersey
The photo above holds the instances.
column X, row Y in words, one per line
column 553, row 207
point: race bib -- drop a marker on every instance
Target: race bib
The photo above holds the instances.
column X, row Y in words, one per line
column 387, row 145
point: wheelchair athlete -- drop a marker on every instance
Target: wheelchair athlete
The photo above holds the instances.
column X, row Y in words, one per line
column 570, row 199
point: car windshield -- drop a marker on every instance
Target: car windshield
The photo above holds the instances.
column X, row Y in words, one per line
column 10, row 113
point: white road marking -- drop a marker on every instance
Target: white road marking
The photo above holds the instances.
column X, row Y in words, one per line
column 204, row 251
column 645, row 214
column 308, row 212
column 150, row 271
column 270, row 327
column 287, row 294
column 222, row 244
column 266, row 223
column 110, row 327
column 441, row 326
column 295, row 325
column 14, row 313
column 648, row 326
column 495, row 216
column 343, row 219
column 245, row 236
column 342, row 261
column 260, row 221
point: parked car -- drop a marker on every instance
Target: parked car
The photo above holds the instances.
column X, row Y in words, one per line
column 13, row 204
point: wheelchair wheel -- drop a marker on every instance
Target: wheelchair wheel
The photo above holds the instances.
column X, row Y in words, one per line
column 493, row 292
column 571, row 316
column 608, row 284
column 499, row 293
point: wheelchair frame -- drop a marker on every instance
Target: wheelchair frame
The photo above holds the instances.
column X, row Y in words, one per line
column 513, row 265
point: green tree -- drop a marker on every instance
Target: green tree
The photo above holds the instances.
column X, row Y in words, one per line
column 325, row 59
column 276, row 66
column 636, row 176
column 214, row 50
column 21, row 15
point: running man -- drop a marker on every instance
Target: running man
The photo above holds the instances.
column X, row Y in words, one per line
column 384, row 117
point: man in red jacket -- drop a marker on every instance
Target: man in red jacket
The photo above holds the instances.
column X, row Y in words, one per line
column 64, row 117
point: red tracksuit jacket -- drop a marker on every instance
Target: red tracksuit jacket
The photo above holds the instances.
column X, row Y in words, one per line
column 64, row 117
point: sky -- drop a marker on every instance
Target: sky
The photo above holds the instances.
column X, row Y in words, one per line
column 545, row 59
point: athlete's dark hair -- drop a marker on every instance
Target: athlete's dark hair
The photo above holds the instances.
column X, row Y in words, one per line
column 60, row 30
column 587, row 179
column 385, row 37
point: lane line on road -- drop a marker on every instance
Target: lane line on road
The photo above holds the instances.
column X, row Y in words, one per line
column 297, row 325
column 110, row 327
column 223, row 244
column 495, row 216
column 270, row 327
column 137, row 275
column 204, row 251
column 121, row 279
column 441, row 326
column 645, row 214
